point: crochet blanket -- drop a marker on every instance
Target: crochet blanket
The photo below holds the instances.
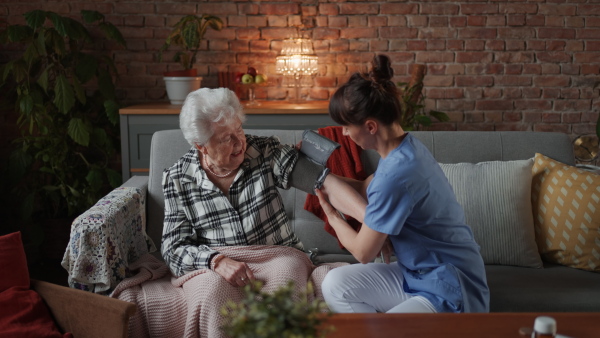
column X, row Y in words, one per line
column 189, row 306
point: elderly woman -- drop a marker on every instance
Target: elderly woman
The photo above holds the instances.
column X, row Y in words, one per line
column 223, row 191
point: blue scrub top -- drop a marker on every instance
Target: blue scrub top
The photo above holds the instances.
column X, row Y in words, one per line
column 411, row 200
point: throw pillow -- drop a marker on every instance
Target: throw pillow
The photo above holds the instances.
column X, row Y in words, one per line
column 23, row 313
column 13, row 262
column 566, row 209
column 496, row 199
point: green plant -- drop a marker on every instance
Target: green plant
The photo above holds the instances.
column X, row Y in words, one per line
column 413, row 108
column 187, row 34
column 67, row 110
column 276, row 315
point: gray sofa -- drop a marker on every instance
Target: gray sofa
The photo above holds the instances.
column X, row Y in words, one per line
column 552, row 288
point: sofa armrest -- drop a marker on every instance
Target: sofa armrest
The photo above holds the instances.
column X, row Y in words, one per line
column 85, row 314
column 106, row 238
column 140, row 182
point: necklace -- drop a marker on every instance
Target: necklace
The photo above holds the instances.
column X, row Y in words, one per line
column 212, row 172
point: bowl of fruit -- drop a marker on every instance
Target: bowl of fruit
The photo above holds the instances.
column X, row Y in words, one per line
column 250, row 80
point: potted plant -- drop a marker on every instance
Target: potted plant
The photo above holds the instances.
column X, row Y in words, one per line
column 64, row 96
column 412, row 103
column 277, row 314
column 187, row 34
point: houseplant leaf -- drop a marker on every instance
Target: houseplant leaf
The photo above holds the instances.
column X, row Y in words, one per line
column 35, row 19
column 112, row 32
column 79, row 131
column 91, row 16
column 65, row 97
column 112, row 111
column 86, row 68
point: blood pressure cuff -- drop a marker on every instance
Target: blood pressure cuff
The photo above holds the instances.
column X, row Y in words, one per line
column 317, row 147
column 310, row 171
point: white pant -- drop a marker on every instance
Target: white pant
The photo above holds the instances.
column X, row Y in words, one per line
column 370, row 288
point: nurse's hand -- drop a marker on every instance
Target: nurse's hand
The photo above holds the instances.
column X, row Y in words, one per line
column 386, row 251
column 326, row 206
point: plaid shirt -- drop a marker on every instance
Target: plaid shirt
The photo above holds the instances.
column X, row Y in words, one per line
column 198, row 215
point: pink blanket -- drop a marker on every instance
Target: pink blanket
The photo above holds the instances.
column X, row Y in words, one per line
column 189, row 306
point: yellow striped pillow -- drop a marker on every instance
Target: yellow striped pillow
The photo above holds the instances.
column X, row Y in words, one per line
column 566, row 214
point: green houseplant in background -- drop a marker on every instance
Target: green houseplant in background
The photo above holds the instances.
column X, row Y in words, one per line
column 413, row 107
column 64, row 96
column 275, row 315
column 187, row 34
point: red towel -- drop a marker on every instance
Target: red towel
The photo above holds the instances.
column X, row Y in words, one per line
column 344, row 161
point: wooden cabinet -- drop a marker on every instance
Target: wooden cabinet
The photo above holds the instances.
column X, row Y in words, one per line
column 139, row 122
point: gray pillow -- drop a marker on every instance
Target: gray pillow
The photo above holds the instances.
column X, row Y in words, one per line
column 496, row 198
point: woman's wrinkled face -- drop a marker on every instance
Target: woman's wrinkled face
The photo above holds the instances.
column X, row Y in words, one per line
column 226, row 148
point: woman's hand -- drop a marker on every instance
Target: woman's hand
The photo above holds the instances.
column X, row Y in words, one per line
column 326, row 206
column 235, row 273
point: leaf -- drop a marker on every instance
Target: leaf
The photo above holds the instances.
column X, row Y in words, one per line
column 76, row 30
column 64, row 96
column 112, row 33
column 191, row 36
column 55, row 42
column 423, row 120
column 18, row 162
column 91, row 16
column 35, row 19
column 79, row 131
column 106, row 86
column 114, row 178
column 31, row 54
column 94, row 178
column 43, row 79
column 19, row 33
column 79, row 91
column 440, row 116
column 26, row 104
column 112, row 111
column 86, row 67
column 6, row 70
column 59, row 23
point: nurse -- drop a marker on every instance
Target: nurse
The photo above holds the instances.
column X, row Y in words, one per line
column 409, row 204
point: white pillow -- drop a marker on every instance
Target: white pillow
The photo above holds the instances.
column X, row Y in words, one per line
column 496, row 198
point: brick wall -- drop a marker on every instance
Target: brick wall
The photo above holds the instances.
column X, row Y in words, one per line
column 491, row 65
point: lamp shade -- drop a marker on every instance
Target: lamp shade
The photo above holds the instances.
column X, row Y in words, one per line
column 297, row 58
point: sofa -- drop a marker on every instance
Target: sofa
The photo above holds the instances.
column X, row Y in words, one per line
column 491, row 171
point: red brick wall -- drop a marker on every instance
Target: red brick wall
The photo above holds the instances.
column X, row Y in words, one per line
column 491, row 65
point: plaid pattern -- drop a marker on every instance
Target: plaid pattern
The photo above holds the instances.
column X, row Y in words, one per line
column 199, row 216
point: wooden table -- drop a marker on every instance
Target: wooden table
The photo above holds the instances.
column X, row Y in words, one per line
column 480, row 325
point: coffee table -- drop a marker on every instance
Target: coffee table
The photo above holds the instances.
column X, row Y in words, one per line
column 447, row 325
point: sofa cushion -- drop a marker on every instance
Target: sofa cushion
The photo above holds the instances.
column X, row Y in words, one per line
column 566, row 209
column 496, row 199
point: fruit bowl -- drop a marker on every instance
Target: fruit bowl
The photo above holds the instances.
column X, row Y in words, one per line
column 251, row 96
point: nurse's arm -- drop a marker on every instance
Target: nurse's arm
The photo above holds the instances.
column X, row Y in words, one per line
column 364, row 245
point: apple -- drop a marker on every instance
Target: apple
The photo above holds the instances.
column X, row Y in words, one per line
column 251, row 71
column 238, row 77
column 260, row 78
column 247, row 78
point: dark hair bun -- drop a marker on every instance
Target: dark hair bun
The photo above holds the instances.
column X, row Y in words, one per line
column 381, row 70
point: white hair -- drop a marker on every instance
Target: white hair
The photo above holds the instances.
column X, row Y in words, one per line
column 204, row 108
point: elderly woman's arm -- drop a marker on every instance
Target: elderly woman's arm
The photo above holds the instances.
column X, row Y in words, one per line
column 179, row 248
